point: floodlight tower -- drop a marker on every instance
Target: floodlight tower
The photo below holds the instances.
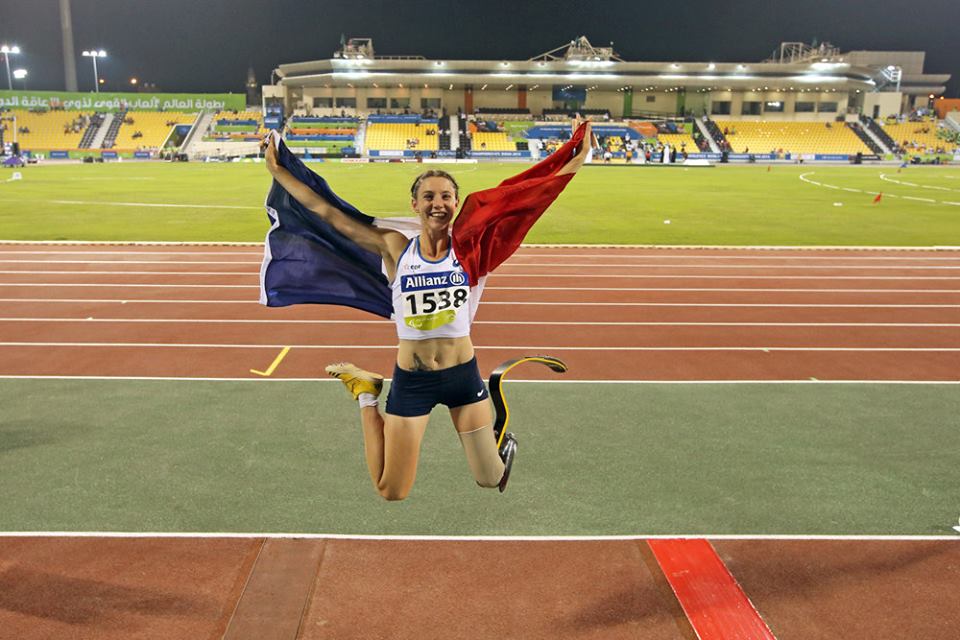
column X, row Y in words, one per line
column 94, row 54
column 21, row 74
column 6, row 50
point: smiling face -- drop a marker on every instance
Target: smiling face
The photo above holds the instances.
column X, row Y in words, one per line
column 435, row 202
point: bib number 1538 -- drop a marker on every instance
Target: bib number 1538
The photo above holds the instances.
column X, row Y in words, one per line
column 432, row 301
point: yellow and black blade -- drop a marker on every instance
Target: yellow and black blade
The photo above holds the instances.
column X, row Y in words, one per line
column 496, row 388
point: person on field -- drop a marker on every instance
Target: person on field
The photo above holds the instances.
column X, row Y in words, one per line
column 435, row 277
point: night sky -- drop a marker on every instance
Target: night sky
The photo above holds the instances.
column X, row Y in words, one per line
column 207, row 45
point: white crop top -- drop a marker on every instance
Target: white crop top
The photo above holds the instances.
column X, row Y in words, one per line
column 433, row 299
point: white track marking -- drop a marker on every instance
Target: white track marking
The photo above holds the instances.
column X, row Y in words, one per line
column 500, row 276
column 135, row 273
column 105, row 179
column 804, row 178
column 148, row 204
column 192, row 345
column 613, row 255
column 252, row 286
column 568, row 304
column 717, row 289
column 130, row 262
column 886, row 178
column 136, row 253
column 729, row 304
column 667, row 256
column 389, row 323
column 476, row 538
column 135, row 284
column 591, row 265
column 805, row 381
column 614, row 248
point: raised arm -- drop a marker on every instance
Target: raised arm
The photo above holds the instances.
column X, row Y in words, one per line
column 388, row 243
column 577, row 161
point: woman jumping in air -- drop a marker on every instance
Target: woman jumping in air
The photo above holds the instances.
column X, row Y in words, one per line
column 434, row 300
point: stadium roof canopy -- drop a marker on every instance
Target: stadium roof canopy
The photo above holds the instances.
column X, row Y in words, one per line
column 580, row 63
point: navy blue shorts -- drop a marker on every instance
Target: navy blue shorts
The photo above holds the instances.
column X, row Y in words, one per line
column 416, row 393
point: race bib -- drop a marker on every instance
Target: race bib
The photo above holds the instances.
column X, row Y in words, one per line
column 431, row 300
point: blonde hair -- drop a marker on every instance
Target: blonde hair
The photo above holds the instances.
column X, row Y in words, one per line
column 434, row 173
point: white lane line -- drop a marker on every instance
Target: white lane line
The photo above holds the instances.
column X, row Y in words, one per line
column 250, row 254
column 491, row 302
column 151, row 205
column 250, row 274
column 530, row 249
column 614, row 289
column 686, row 256
column 481, row 538
column 886, row 178
column 765, row 290
column 590, row 265
column 134, row 284
column 389, row 323
column 873, row 193
column 805, row 381
column 191, row 345
column 614, row 255
column 106, row 179
column 166, row 262
column 503, row 276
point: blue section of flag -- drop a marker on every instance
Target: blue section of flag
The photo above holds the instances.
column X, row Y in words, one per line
column 307, row 260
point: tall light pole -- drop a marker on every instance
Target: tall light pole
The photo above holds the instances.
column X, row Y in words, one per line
column 6, row 51
column 94, row 54
column 69, row 62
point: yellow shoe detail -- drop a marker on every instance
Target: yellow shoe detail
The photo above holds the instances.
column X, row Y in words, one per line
column 356, row 379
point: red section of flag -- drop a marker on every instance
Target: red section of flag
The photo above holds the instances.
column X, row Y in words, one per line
column 713, row 601
column 493, row 222
column 877, row 199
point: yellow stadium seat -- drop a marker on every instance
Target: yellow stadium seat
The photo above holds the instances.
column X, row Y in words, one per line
column 791, row 137
column 495, row 141
column 918, row 136
column 154, row 125
column 393, row 136
column 49, row 130
column 678, row 141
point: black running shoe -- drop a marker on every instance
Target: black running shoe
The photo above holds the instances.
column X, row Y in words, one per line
column 507, row 452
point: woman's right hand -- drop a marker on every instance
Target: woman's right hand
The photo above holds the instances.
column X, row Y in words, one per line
column 269, row 147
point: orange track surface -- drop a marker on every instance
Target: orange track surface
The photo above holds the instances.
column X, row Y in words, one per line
column 662, row 314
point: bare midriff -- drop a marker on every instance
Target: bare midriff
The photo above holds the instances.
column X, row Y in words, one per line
column 434, row 354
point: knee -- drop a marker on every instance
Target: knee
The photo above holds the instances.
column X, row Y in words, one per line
column 393, row 494
column 489, row 480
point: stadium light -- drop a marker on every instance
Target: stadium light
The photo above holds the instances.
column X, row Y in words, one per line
column 21, row 74
column 94, row 54
column 133, row 81
column 6, row 50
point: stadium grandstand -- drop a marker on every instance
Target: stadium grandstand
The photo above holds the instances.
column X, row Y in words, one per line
column 809, row 102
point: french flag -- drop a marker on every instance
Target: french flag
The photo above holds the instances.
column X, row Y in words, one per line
column 308, row 261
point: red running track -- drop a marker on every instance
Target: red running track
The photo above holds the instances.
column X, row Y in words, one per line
column 612, row 314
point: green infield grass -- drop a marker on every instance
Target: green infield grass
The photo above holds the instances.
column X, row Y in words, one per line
column 725, row 205
column 622, row 459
